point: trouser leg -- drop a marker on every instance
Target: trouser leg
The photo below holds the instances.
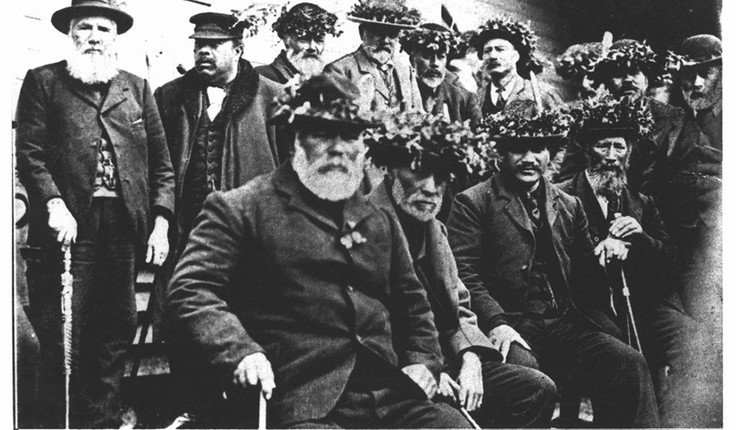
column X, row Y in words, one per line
column 515, row 396
column 28, row 354
column 614, row 375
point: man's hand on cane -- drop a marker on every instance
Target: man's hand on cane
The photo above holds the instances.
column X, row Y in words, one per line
column 61, row 222
column 158, row 242
column 254, row 369
column 611, row 249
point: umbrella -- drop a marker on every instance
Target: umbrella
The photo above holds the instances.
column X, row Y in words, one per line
column 66, row 317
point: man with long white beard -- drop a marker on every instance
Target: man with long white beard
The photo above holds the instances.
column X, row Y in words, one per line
column 385, row 78
column 613, row 210
column 429, row 47
column 302, row 29
column 295, row 282
column 92, row 156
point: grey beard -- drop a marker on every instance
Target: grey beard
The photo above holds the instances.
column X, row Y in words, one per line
column 708, row 100
column 398, row 193
column 92, row 68
column 307, row 66
column 381, row 56
column 333, row 186
column 607, row 183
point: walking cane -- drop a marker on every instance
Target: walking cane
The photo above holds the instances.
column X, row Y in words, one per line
column 630, row 310
column 66, row 317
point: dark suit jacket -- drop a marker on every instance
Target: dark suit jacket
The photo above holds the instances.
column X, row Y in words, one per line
column 461, row 103
column 280, row 70
column 357, row 67
column 650, row 256
column 59, row 124
column 265, row 270
column 448, row 296
column 492, row 239
column 250, row 148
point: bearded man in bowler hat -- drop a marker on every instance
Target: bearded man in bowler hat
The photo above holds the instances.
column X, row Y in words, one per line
column 92, row 156
column 302, row 30
column 297, row 283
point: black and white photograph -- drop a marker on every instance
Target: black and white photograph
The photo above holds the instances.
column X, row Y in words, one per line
column 365, row 214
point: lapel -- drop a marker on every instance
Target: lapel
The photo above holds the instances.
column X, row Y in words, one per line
column 286, row 182
column 517, row 90
column 85, row 93
column 117, row 94
column 550, row 203
column 631, row 204
column 282, row 67
column 597, row 222
column 366, row 66
column 513, row 207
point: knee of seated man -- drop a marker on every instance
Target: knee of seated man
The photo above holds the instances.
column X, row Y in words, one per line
column 522, row 357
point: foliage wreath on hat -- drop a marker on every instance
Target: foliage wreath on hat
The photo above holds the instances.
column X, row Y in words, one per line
column 605, row 112
column 520, row 34
column 522, row 122
column 252, row 18
column 429, row 39
column 307, row 22
column 294, row 104
column 629, row 56
column 579, row 60
column 430, row 143
column 386, row 12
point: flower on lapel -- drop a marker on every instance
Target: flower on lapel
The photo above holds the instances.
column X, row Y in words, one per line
column 352, row 237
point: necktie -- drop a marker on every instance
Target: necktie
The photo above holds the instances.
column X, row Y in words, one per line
column 613, row 209
column 532, row 207
column 500, row 101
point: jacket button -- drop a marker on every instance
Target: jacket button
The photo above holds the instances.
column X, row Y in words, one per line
column 596, row 239
column 524, row 267
column 350, row 288
column 358, row 338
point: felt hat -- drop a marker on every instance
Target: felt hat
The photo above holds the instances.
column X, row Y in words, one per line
column 606, row 116
column 430, row 36
column 700, row 49
column 519, row 125
column 306, row 20
column 385, row 13
column 106, row 8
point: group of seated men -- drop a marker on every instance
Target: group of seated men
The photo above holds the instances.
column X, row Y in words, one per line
column 370, row 243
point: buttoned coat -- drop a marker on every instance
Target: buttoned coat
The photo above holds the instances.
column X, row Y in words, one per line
column 450, row 299
column 250, row 148
column 493, row 242
column 60, row 122
column 364, row 73
column 651, row 254
column 266, row 270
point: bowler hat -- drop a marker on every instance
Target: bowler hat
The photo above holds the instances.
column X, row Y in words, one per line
column 326, row 102
column 214, row 25
column 701, row 49
column 106, row 8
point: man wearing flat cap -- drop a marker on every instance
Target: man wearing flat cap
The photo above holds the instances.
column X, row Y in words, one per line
column 508, row 50
column 686, row 182
column 297, row 283
column 663, row 331
column 302, row 29
column 628, row 69
column 385, row 78
column 215, row 119
column 427, row 154
column 429, row 48
column 92, row 156
column 521, row 246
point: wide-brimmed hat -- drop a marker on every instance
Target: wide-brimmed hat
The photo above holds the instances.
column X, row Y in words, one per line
column 431, row 145
column 387, row 13
column 606, row 116
column 306, row 20
column 700, row 49
column 520, row 125
column 432, row 37
column 628, row 55
column 519, row 34
column 578, row 60
column 324, row 102
column 107, row 8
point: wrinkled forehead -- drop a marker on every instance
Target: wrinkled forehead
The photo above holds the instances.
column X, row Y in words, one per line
column 498, row 43
column 98, row 21
column 610, row 140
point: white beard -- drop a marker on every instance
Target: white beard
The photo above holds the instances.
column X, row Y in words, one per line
column 381, row 56
column 333, row 185
column 405, row 203
column 92, row 68
column 307, row 66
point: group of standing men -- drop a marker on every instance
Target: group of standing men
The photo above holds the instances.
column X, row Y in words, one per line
column 361, row 310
